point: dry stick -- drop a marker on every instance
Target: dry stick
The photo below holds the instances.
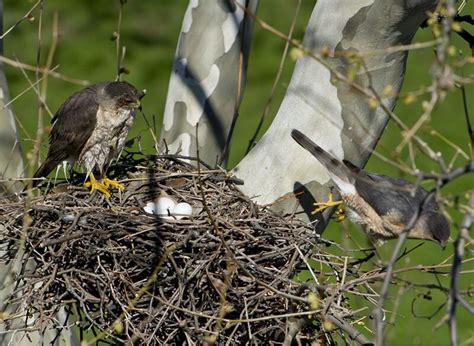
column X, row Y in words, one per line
column 151, row 130
column 468, row 120
column 42, row 94
column 247, row 317
column 20, row 124
column 27, row 89
column 371, row 276
column 353, row 333
column 240, row 74
column 43, row 70
column 235, row 321
column 39, row 127
column 266, row 109
column 117, row 41
column 36, row 91
column 459, row 150
column 343, row 280
column 44, row 85
column 425, row 117
column 463, row 236
column 449, row 176
column 465, row 304
column 10, row 156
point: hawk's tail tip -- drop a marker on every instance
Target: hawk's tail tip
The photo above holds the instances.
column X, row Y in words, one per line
column 295, row 134
column 300, row 138
column 47, row 167
column 305, row 142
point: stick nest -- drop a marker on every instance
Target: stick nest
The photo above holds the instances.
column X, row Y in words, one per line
column 226, row 274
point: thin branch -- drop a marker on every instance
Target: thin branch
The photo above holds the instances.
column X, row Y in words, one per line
column 463, row 236
column 266, row 109
column 27, row 16
column 116, row 37
column 466, row 114
column 44, row 71
column 240, row 80
column 353, row 333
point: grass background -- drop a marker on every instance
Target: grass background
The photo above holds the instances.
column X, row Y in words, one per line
column 150, row 31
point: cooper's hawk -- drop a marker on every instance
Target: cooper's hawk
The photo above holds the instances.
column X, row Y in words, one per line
column 90, row 129
column 383, row 205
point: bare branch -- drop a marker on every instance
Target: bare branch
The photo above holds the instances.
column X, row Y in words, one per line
column 463, row 236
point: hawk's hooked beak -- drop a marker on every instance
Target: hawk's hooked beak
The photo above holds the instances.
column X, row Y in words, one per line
column 443, row 244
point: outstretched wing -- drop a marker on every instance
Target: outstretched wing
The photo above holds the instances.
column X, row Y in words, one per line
column 73, row 124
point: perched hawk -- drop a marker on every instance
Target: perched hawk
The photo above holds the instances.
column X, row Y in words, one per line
column 383, row 205
column 90, row 129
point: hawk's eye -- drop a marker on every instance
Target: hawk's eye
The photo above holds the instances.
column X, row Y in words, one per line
column 124, row 100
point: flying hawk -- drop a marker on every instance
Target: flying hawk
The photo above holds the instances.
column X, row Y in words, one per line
column 383, row 205
column 90, row 129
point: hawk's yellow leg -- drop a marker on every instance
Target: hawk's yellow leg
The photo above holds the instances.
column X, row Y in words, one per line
column 112, row 182
column 321, row 206
column 94, row 185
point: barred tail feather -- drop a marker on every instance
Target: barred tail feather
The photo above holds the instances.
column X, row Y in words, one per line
column 337, row 170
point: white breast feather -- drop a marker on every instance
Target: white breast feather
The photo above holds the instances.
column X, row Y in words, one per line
column 107, row 139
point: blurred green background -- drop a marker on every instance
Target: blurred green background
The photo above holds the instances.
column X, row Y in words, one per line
column 150, row 31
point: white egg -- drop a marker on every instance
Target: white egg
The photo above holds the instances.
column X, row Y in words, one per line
column 150, row 208
column 181, row 210
column 163, row 205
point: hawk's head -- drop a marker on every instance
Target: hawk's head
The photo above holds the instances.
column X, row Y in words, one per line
column 433, row 226
column 120, row 95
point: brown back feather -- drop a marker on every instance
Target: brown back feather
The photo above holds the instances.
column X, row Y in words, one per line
column 73, row 124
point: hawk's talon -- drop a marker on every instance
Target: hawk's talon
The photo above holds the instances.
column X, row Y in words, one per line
column 94, row 185
column 112, row 182
column 321, row 206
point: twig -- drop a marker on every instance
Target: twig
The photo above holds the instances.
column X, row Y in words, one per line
column 266, row 109
column 468, row 120
column 240, row 87
column 27, row 16
column 463, row 236
column 116, row 36
column 353, row 333
column 44, row 71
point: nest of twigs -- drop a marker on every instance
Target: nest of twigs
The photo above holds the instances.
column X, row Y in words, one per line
column 226, row 274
